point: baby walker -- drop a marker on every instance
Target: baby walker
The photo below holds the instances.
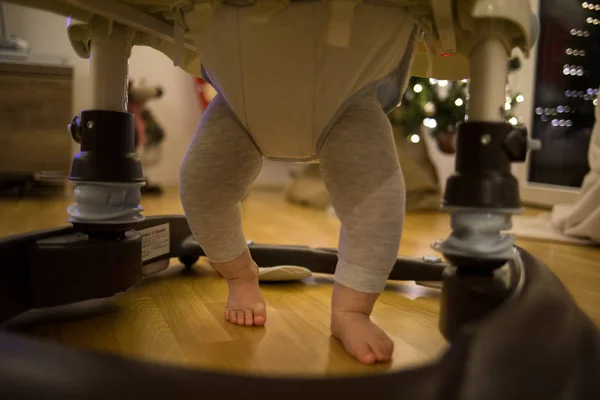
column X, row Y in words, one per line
column 514, row 331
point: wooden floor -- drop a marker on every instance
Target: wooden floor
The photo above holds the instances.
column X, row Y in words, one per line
column 177, row 317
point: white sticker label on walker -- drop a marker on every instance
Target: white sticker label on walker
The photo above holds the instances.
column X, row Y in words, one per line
column 155, row 242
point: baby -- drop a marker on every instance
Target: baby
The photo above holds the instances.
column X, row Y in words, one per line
column 311, row 81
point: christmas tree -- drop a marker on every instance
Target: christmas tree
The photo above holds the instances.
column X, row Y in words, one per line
column 439, row 105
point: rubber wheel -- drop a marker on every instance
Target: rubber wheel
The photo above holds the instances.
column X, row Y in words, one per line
column 188, row 261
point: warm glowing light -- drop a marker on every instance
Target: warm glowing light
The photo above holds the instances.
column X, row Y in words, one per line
column 430, row 123
column 418, row 88
column 513, row 121
column 443, row 83
column 520, row 98
column 414, row 138
column 459, row 102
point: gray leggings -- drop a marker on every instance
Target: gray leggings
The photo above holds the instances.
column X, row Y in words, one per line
column 360, row 168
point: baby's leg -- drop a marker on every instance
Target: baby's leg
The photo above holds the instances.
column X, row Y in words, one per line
column 220, row 166
column 360, row 167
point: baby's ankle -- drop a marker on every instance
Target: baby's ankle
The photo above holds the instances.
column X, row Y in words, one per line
column 240, row 269
column 342, row 313
column 346, row 301
column 245, row 274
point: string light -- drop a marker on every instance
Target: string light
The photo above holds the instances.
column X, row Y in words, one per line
column 573, row 70
column 430, row 123
column 507, row 106
column 459, row 102
column 414, row 138
column 433, row 81
column 584, row 4
column 418, row 88
column 595, row 102
column 429, row 107
column 520, row 98
column 575, row 52
column 443, row 83
column 513, row 121
column 575, row 32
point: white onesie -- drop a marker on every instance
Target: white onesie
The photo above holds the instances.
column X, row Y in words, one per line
column 312, row 82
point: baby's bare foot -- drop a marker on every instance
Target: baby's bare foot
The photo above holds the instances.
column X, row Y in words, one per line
column 361, row 338
column 245, row 304
column 350, row 323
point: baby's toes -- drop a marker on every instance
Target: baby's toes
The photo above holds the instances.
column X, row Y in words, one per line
column 383, row 347
column 231, row 315
column 241, row 317
column 363, row 353
column 259, row 314
column 248, row 318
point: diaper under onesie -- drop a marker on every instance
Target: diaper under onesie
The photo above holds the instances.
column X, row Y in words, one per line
column 302, row 86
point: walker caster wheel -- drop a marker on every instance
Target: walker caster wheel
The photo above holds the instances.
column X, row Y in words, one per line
column 188, row 261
